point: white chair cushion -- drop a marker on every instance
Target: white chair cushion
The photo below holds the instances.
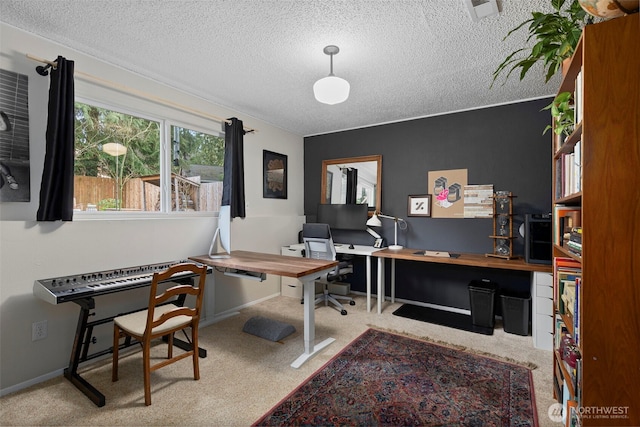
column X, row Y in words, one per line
column 135, row 323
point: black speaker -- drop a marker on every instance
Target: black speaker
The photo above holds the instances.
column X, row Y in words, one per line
column 537, row 238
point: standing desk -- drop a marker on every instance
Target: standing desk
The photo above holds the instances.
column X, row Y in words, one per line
column 304, row 269
column 464, row 259
column 343, row 248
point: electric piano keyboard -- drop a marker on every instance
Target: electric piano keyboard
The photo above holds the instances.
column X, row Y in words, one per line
column 70, row 288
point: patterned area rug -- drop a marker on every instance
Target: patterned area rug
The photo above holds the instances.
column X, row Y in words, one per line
column 384, row 379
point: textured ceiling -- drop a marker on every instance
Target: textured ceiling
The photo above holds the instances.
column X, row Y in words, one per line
column 403, row 59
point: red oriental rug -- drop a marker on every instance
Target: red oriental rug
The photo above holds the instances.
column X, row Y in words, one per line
column 384, row 379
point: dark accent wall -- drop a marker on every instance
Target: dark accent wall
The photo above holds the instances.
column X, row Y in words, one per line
column 501, row 145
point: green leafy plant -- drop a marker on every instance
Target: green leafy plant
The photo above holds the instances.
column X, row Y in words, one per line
column 106, row 204
column 563, row 112
column 556, row 34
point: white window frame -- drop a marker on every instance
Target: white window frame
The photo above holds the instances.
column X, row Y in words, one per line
column 160, row 114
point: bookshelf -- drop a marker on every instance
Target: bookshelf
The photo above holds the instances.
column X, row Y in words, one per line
column 596, row 191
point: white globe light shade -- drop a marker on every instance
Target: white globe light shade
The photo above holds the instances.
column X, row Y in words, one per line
column 114, row 149
column 331, row 90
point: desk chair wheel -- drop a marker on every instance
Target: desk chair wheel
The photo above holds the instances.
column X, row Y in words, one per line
column 352, row 302
column 343, row 312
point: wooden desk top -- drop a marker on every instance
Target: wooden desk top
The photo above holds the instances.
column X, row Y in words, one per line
column 472, row 260
column 268, row 263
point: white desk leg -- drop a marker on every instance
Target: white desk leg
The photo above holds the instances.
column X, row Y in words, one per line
column 380, row 283
column 393, row 280
column 310, row 349
column 368, row 283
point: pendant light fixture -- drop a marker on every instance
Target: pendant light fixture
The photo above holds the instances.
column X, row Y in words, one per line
column 331, row 89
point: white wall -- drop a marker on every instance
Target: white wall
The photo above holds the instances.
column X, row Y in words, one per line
column 30, row 250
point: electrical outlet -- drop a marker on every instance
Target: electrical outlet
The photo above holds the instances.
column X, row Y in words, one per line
column 39, row 330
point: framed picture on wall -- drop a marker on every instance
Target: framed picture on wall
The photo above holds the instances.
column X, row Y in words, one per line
column 274, row 181
column 15, row 163
column 419, row 205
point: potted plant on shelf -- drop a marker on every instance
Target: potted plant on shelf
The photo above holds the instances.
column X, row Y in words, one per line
column 563, row 113
column 556, row 34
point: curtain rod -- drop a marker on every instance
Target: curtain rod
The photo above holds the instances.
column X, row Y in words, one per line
column 42, row 71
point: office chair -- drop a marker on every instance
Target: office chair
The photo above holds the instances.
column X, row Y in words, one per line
column 318, row 244
column 163, row 319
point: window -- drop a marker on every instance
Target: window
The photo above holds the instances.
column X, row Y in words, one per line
column 366, row 193
column 197, row 169
column 120, row 163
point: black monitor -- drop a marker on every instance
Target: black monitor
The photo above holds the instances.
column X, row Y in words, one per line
column 344, row 217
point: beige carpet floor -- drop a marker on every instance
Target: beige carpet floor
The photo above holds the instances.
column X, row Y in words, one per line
column 244, row 375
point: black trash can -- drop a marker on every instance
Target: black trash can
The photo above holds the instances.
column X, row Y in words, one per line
column 482, row 294
column 516, row 313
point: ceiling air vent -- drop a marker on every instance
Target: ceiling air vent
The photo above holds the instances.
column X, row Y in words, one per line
column 479, row 9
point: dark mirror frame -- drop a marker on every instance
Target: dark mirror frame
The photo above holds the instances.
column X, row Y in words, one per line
column 350, row 160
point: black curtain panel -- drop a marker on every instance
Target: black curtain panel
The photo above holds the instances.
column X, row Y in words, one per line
column 56, row 189
column 233, row 182
column 352, row 185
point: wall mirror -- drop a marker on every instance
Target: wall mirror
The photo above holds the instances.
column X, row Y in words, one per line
column 357, row 179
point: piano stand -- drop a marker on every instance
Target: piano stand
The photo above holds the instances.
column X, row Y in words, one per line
column 82, row 340
column 82, row 345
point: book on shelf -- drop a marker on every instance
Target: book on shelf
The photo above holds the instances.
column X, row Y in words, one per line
column 576, row 235
column 557, row 384
column 568, row 359
column 576, row 311
column 574, row 248
column 577, row 168
column 577, row 388
column 568, row 230
column 566, row 396
column 572, row 373
column 577, row 98
column 569, row 294
column 565, row 273
column 569, row 172
column 566, row 293
column 573, row 418
column 559, row 331
column 572, row 239
column 568, row 264
column 565, row 218
column 558, row 184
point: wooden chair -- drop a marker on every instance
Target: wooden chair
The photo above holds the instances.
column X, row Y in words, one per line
column 163, row 319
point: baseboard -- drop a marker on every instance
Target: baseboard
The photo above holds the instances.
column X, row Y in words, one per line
column 233, row 311
column 29, row 383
